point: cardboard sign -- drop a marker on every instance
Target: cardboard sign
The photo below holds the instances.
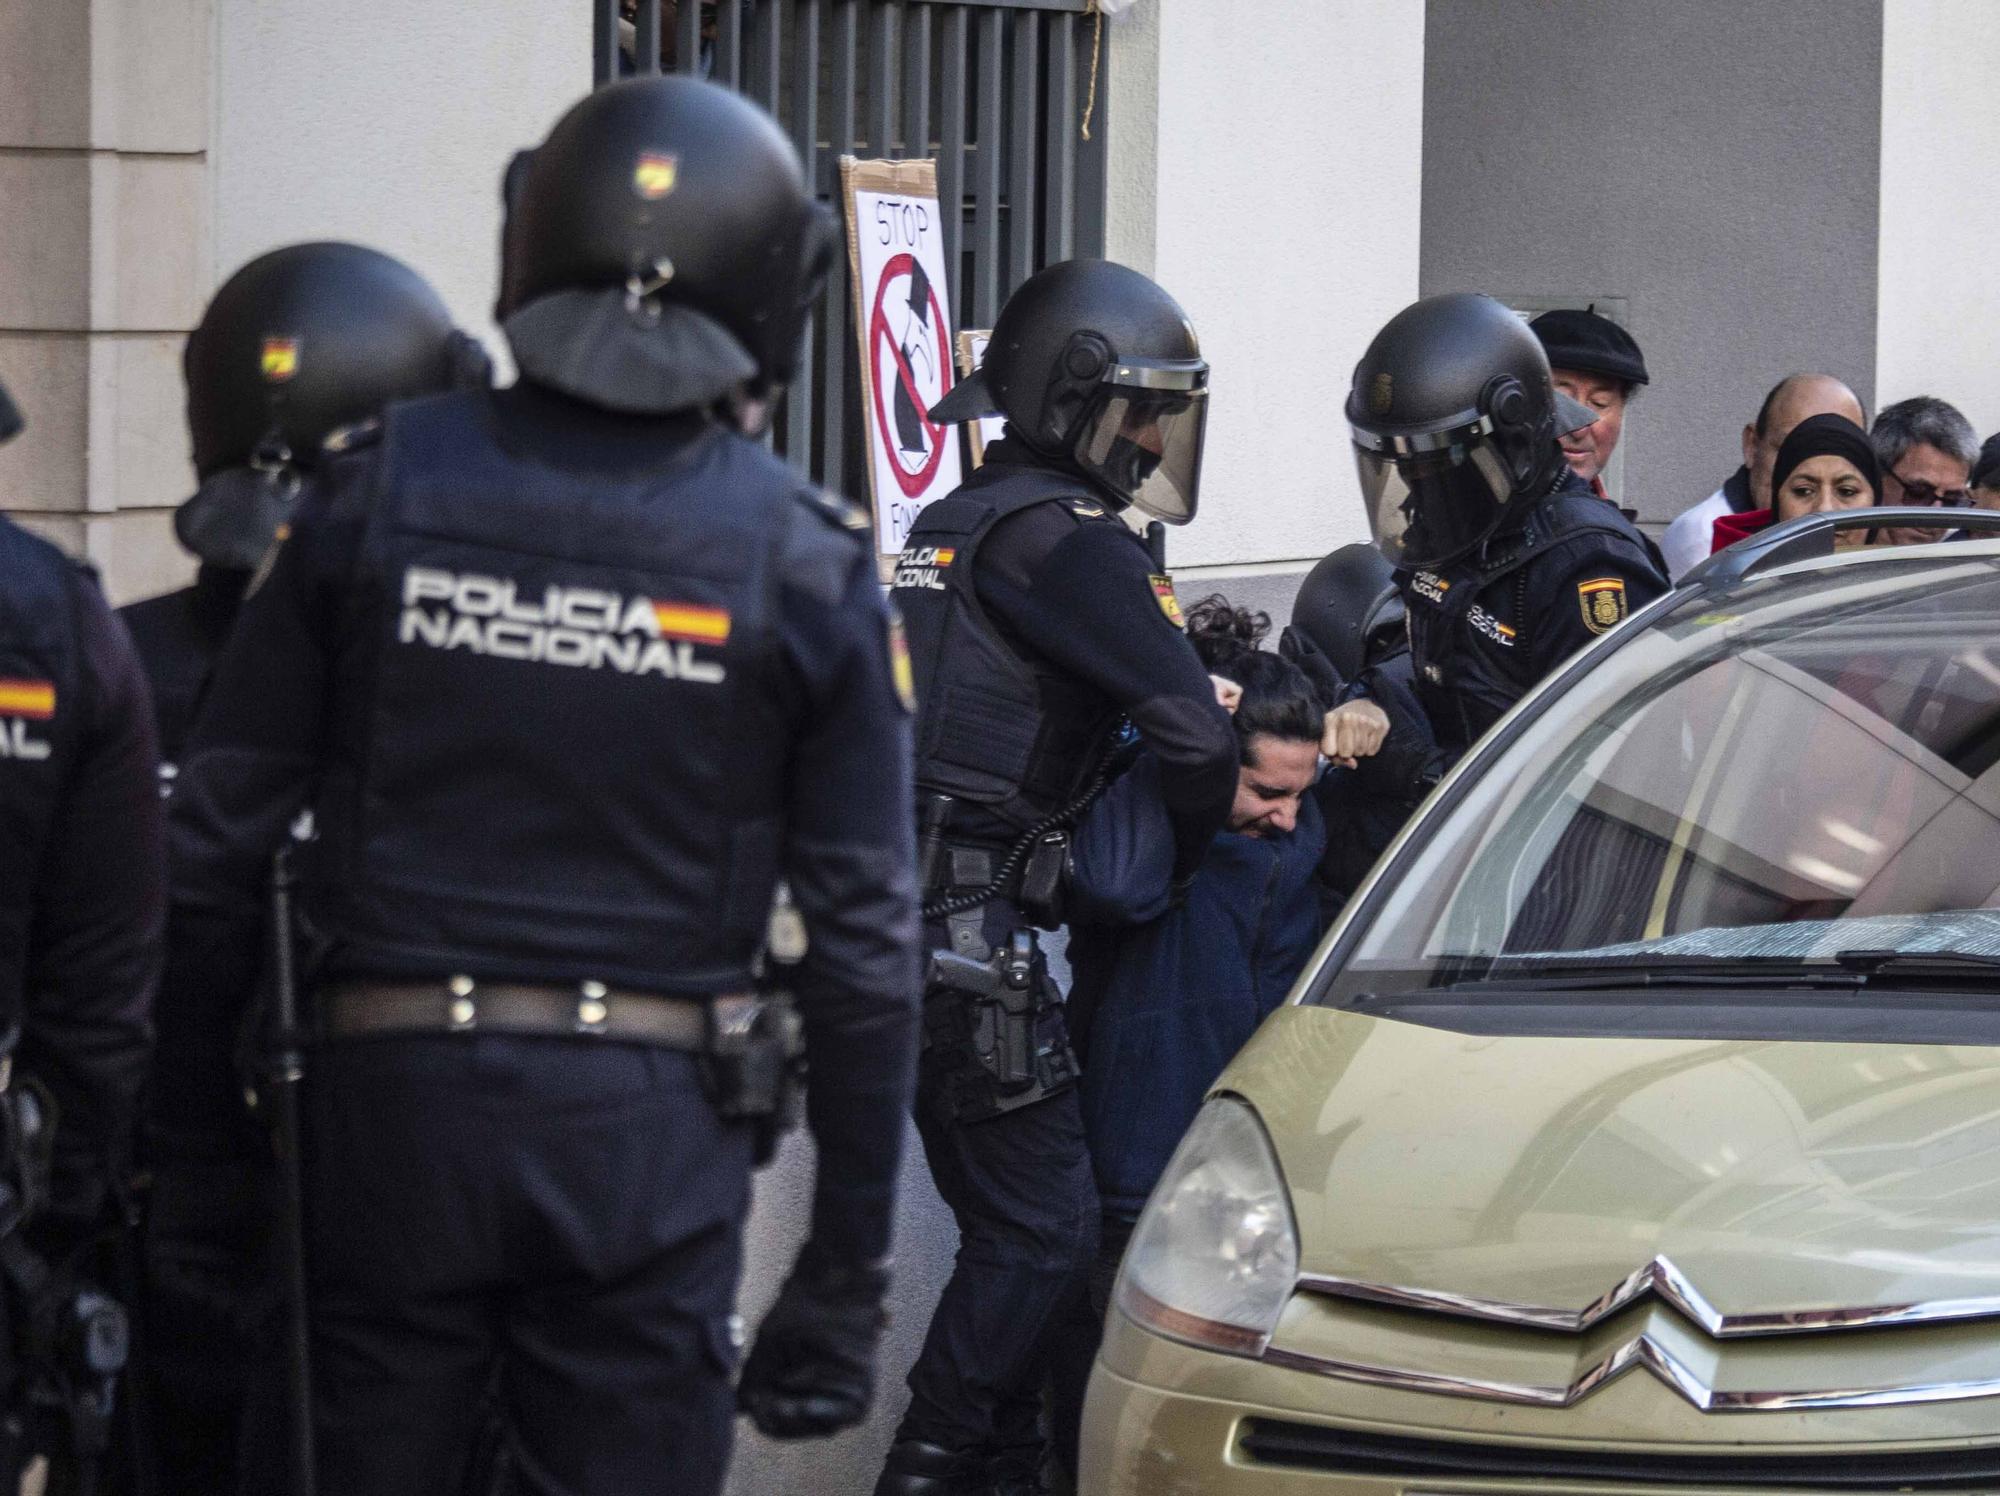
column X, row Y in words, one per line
column 971, row 354
column 902, row 325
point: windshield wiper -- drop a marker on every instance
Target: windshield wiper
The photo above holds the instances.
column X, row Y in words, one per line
column 1873, row 963
column 1846, row 970
column 1715, row 974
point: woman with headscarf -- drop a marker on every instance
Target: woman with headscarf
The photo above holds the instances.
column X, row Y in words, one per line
column 1826, row 464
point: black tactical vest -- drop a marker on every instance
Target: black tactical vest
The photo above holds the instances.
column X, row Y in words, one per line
column 1472, row 656
column 575, row 723
column 996, row 726
column 41, row 712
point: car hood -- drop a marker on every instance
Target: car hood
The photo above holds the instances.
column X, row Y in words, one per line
column 1776, row 1179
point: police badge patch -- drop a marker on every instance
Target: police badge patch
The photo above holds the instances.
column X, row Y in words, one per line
column 1603, row 603
column 1163, row 593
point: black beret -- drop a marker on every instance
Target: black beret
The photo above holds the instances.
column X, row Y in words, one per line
column 1595, row 345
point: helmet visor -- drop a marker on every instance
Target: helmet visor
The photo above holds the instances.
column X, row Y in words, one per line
column 1145, row 445
column 1430, row 506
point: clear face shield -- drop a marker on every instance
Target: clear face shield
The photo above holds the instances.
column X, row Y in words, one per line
column 1143, row 437
column 1433, row 496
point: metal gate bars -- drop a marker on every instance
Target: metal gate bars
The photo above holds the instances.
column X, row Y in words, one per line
column 995, row 91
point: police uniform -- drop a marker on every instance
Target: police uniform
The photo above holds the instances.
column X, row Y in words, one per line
column 297, row 343
column 568, row 692
column 179, row 637
column 1489, row 626
column 82, row 874
column 1037, row 624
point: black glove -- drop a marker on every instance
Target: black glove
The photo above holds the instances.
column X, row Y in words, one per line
column 812, row 1370
column 1309, row 657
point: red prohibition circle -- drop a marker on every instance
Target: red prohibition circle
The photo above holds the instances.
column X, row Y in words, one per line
column 915, row 483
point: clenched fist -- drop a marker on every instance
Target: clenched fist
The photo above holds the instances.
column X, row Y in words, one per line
column 1354, row 731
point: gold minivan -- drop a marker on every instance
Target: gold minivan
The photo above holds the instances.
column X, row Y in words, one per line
column 1637, row 1129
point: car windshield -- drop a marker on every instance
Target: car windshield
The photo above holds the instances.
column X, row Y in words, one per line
column 1800, row 777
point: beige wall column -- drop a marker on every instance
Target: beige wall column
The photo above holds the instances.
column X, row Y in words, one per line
column 104, row 265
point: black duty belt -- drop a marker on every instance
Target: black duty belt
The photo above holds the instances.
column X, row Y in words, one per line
column 961, row 869
column 459, row 1005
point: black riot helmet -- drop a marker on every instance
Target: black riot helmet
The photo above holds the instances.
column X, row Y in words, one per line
column 10, row 418
column 1097, row 369
column 1349, row 607
column 295, row 345
column 662, row 250
column 1454, row 418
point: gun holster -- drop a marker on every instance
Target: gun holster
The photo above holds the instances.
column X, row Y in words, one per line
column 753, row 1064
column 993, row 1026
column 68, row 1340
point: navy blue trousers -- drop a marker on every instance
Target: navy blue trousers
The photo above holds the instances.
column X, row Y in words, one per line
column 1021, row 1189
column 554, row 1223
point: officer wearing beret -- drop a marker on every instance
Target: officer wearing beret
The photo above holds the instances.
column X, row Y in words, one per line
column 82, row 902
column 1596, row 363
column 571, row 675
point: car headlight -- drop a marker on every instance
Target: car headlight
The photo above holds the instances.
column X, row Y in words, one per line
column 1216, row 1253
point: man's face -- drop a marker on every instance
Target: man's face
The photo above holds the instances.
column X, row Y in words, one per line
column 1590, row 449
column 1270, row 786
column 1926, row 477
column 1816, row 395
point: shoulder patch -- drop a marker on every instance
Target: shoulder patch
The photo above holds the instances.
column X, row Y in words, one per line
column 353, row 437
column 1163, row 594
column 1602, row 600
column 835, row 510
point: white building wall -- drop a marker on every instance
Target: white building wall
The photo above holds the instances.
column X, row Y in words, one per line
column 387, row 122
column 1940, row 220
column 1275, row 191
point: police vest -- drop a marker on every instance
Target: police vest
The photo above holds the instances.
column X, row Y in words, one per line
column 1472, row 659
column 570, row 753
column 996, row 726
column 41, row 711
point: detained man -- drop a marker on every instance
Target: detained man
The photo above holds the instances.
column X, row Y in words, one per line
column 1168, row 989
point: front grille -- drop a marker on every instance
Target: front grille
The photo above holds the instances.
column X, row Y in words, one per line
column 1305, row 1446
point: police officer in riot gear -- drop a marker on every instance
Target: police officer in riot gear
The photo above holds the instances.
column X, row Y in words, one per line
column 572, row 674
column 82, row 903
column 1506, row 562
column 1037, row 622
column 1350, row 634
column 1349, row 610
column 299, row 343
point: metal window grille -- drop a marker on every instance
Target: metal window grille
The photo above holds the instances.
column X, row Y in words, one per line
column 994, row 91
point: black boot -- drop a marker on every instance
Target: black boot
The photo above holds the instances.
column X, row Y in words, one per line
column 1017, row 1471
column 915, row 1468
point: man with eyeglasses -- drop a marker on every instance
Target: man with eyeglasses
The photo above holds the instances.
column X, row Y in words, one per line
column 1926, row 449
